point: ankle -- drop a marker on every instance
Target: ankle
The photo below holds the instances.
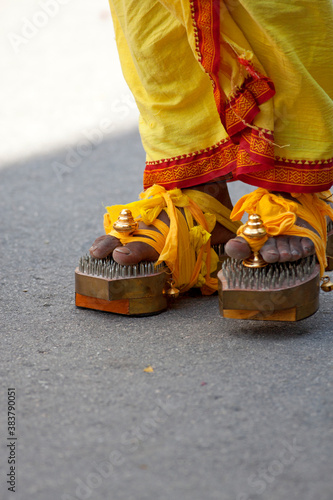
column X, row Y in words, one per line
column 217, row 189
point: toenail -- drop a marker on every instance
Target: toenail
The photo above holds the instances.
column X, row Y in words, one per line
column 123, row 250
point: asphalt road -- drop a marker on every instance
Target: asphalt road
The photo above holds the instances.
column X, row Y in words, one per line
column 233, row 410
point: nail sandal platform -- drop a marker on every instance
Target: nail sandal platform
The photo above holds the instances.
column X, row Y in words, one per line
column 277, row 292
column 104, row 285
column 137, row 290
column 253, row 289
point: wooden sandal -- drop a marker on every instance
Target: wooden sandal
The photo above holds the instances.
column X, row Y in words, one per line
column 186, row 257
column 253, row 289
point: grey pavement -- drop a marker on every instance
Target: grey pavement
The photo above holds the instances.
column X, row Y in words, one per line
column 233, row 410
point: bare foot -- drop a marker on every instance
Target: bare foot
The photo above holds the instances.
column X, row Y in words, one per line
column 278, row 249
column 133, row 252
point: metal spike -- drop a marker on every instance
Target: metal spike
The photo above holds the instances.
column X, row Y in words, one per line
column 301, row 274
column 256, row 280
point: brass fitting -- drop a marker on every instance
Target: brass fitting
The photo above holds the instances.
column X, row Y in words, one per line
column 125, row 224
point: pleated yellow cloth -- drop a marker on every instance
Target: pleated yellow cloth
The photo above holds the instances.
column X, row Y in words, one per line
column 231, row 87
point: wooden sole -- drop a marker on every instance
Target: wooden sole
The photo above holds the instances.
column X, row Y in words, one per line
column 137, row 296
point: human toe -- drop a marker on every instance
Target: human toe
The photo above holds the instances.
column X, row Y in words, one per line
column 307, row 246
column 238, row 248
column 284, row 249
column 133, row 253
column 104, row 246
column 269, row 251
column 296, row 249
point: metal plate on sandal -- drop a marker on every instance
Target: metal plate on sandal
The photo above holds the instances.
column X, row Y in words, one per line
column 277, row 292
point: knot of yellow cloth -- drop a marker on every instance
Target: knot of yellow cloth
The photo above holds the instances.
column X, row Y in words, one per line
column 279, row 217
column 185, row 245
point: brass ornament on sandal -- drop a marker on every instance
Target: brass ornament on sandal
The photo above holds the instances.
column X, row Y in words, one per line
column 327, row 284
column 171, row 291
column 254, row 229
column 125, row 224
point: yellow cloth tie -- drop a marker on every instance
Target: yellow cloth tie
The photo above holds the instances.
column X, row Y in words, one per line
column 185, row 245
column 279, row 217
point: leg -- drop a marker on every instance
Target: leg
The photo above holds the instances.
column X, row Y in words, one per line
column 304, row 94
column 247, row 115
column 178, row 112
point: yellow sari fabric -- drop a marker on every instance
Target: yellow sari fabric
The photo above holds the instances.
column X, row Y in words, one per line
column 231, row 87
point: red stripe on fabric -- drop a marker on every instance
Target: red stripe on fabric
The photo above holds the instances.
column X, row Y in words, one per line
column 206, row 22
column 299, row 176
column 241, row 110
column 251, row 154
column 251, row 161
column 294, row 188
column 259, row 146
column 257, row 88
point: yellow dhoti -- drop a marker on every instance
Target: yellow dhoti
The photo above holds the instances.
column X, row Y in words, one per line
column 231, row 88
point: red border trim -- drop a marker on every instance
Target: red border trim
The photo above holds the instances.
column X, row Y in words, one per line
column 244, row 106
column 299, row 176
column 206, row 24
column 236, row 113
column 251, row 161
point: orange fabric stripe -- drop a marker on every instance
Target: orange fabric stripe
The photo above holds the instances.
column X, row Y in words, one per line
column 115, row 306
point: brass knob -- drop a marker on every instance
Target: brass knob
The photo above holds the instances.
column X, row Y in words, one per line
column 172, row 292
column 125, row 223
column 255, row 229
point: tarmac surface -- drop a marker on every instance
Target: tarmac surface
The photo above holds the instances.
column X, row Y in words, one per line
column 234, row 410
